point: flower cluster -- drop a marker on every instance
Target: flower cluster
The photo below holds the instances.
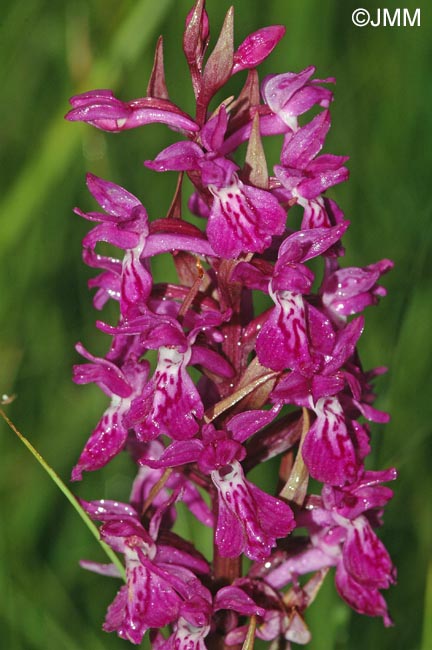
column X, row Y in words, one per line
column 281, row 384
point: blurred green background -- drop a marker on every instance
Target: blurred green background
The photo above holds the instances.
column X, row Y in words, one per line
column 382, row 118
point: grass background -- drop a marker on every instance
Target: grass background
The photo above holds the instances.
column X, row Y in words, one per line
column 381, row 118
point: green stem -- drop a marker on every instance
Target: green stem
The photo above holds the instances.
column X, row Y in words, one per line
column 69, row 496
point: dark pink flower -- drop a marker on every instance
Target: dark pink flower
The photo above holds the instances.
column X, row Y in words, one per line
column 241, row 218
column 321, row 212
column 191, row 627
column 284, row 340
column 102, row 109
column 122, row 385
column 231, row 385
column 256, row 47
column 170, row 402
column 275, row 621
column 160, row 581
column 347, row 541
column 249, row 520
column 124, row 225
column 328, row 449
column 302, row 173
column 349, row 290
column 362, row 598
column 290, row 95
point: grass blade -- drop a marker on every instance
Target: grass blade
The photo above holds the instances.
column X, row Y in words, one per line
column 68, row 494
column 49, row 164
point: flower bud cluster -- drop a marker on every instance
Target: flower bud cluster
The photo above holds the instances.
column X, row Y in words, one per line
column 285, row 383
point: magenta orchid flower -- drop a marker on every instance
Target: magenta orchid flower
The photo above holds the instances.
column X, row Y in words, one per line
column 205, row 383
column 302, row 173
column 289, row 95
column 349, row 290
column 161, row 581
column 124, row 225
column 286, row 330
column 256, row 47
column 241, row 217
column 342, row 536
column 249, row 520
column 276, row 621
column 101, row 109
column 122, row 385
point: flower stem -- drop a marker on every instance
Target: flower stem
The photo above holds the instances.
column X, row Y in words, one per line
column 226, row 569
